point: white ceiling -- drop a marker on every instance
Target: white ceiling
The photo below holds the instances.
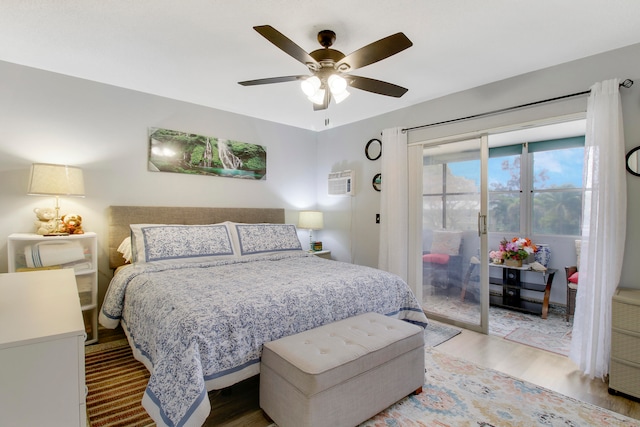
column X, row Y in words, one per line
column 197, row 50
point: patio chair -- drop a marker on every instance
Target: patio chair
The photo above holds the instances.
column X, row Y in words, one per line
column 442, row 264
column 572, row 284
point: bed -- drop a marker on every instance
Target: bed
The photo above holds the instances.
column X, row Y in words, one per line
column 208, row 286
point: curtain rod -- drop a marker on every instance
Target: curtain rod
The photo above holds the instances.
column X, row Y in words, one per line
column 627, row 84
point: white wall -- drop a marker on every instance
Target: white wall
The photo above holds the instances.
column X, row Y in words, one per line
column 344, row 147
column 47, row 117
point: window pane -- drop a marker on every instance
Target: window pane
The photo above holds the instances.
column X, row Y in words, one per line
column 504, row 173
column 558, row 168
column 504, row 212
column 463, row 177
column 557, row 212
column 462, row 212
column 432, row 179
column 504, row 193
column 431, row 212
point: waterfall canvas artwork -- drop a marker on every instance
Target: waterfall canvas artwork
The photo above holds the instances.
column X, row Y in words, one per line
column 183, row 152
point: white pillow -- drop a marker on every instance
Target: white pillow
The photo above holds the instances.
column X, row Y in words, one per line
column 446, row 242
column 155, row 242
column 125, row 249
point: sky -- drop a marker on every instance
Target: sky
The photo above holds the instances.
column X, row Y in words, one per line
column 562, row 167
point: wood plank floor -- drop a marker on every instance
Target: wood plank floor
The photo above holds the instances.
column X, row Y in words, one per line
column 549, row 370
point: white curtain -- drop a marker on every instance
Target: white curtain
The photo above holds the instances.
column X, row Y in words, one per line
column 394, row 210
column 603, row 229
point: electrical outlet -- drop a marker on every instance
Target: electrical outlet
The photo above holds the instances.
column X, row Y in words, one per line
column 377, row 218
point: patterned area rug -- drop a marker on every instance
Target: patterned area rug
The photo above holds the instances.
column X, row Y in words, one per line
column 460, row 394
column 436, row 333
column 116, row 382
column 550, row 334
column 559, row 345
column 456, row 394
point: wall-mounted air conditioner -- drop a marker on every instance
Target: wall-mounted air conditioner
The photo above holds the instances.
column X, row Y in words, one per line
column 341, row 183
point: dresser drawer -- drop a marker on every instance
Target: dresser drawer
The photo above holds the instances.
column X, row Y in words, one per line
column 625, row 316
column 625, row 346
column 624, row 377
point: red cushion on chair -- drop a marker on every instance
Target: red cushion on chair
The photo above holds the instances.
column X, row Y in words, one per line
column 436, row 258
column 574, row 278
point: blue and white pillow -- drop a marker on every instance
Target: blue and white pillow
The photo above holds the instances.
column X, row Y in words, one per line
column 155, row 242
column 261, row 238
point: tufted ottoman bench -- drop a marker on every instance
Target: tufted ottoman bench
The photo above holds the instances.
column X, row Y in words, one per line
column 343, row 373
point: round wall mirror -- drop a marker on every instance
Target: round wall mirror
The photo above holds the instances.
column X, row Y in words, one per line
column 633, row 161
column 373, row 149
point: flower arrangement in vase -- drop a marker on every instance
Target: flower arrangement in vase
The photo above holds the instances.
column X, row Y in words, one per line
column 516, row 250
column 497, row 257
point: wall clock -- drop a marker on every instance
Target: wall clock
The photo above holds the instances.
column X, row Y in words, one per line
column 377, row 182
column 633, row 166
column 373, row 149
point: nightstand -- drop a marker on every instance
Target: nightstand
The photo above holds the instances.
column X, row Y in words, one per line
column 32, row 252
column 323, row 254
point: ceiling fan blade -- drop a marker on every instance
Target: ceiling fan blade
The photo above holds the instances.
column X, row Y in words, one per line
column 271, row 80
column 325, row 103
column 376, row 86
column 286, row 45
column 376, row 51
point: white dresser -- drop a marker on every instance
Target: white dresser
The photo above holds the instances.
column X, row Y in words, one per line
column 624, row 372
column 85, row 268
column 42, row 337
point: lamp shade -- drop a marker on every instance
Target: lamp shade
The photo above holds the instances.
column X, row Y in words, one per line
column 317, row 97
column 337, row 84
column 339, row 97
column 311, row 85
column 55, row 180
column 311, row 220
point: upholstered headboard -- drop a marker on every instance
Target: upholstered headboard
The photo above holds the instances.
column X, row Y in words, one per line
column 120, row 217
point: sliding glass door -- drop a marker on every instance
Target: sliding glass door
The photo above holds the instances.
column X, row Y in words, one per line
column 454, row 248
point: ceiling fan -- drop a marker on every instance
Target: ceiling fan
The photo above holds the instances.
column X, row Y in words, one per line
column 329, row 67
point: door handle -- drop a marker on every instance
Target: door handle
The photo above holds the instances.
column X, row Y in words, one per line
column 482, row 224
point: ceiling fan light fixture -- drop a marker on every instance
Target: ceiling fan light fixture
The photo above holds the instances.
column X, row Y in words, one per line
column 329, row 66
column 337, row 84
column 318, row 97
column 310, row 86
column 339, row 97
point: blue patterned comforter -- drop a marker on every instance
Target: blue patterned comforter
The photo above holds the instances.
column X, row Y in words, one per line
column 200, row 326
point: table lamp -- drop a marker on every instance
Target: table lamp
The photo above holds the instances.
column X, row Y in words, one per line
column 56, row 180
column 311, row 220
